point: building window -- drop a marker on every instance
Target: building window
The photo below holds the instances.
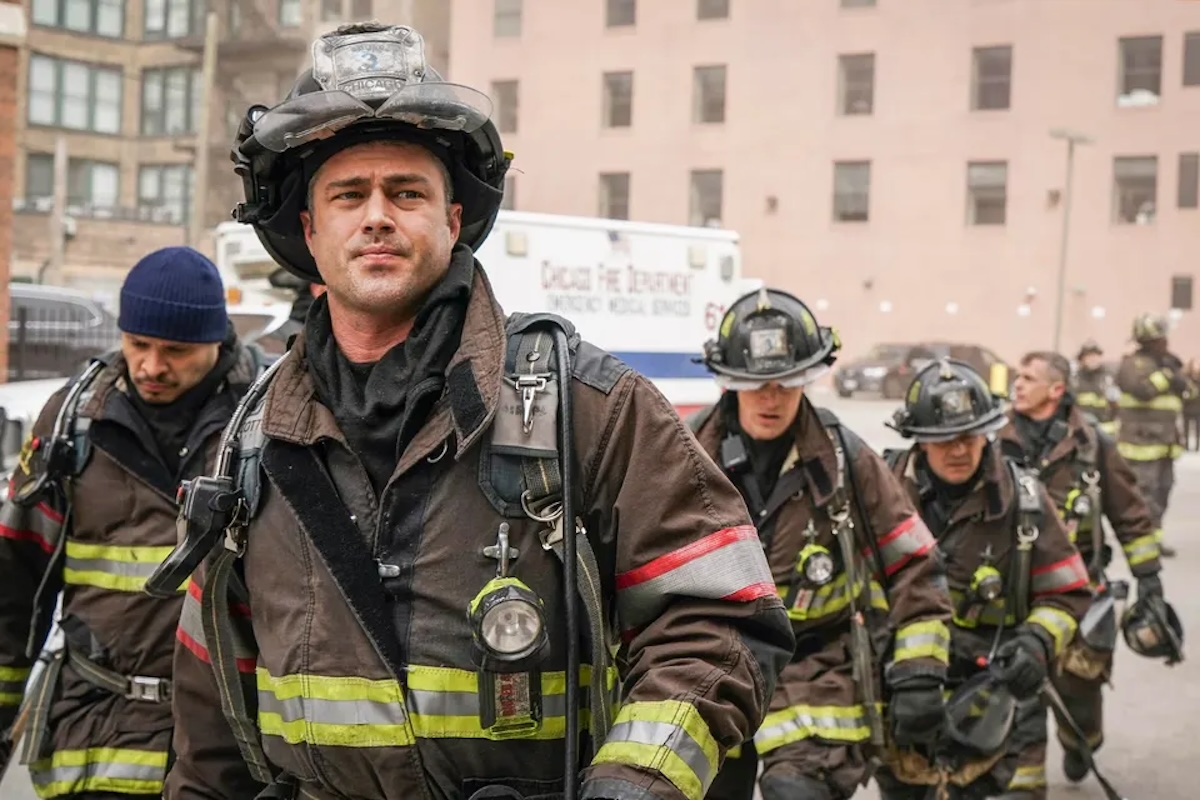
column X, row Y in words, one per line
column 614, row 195
column 1135, row 189
column 1191, row 59
column 165, row 191
column 332, row 10
column 90, row 184
column 290, row 13
column 505, row 96
column 1189, row 180
column 170, row 101
column 174, row 19
column 851, row 191
column 1141, row 71
column 708, row 94
column 618, row 99
column 509, row 201
column 707, row 191
column 70, row 94
column 620, row 13
column 856, row 84
column 987, row 192
column 858, row 3
column 1181, row 292
column 712, row 9
column 506, row 18
column 99, row 17
column 991, row 78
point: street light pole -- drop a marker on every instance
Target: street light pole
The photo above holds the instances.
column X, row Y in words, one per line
column 1072, row 138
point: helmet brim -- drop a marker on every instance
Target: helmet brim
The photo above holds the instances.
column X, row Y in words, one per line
column 993, row 422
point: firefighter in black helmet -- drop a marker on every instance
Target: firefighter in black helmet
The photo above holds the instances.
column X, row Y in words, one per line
column 1094, row 388
column 806, row 478
column 1017, row 584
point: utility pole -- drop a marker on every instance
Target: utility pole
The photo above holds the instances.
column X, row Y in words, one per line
column 58, row 215
column 1072, row 138
column 208, row 80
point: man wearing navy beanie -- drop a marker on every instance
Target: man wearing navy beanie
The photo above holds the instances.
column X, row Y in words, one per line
column 92, row 513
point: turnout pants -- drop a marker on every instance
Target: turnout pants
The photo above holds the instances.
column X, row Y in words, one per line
column 1155, row 479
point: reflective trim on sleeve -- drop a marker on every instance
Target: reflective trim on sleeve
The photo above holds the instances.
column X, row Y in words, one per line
column 1061, row 576
column 1142, row 549
column 100, row 769
column 12, row 685
column 1165, row 402
column 841, row 724
column 668, row 737
column 190, row 632
column 1028, row 778
column 39, row 524
column 925, row 639
column 1111, row 427
column 121, row 568
column 726, row 565
column 1144, row 452
column 1058, row 623
column 905, row 542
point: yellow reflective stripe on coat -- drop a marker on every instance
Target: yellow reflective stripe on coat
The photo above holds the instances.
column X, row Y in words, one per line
column 926, row 639
column 1028, row 778
column 668, row 737
column 992, row 614
column 12, row 685
column 1160, row 380
column 335, row 711
column 1058, row 623
column 1112, row 427
column 829, row 599
column 443, row 703
column 1145, row 452
column 796, row 723
column 122, row 568
column 99, row 769
column 1165, row 402
column 1091, row 400
column 1142, row 549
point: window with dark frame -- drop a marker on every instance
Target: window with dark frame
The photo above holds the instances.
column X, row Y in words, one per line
column 620, row 13
column 1191, row 58
column 1181, row 292
column 618, row 99
column 177, row 19
column 1188, row 193
column 165, row 192
column 708, row 94
column 856, row 84
column 1135, row 189
column 98, row 17
column 852, row 191
column 506, row 19
column 171, row 101
column 987, row 192
column 613, row 196
column 712, row 9
column 1140, row 70
column 506, row 96
column 706, row 203
column 74, row 95
column 991, row 78
column 509, row 201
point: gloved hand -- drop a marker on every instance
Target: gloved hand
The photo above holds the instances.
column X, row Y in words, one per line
column 1022, row 664
column 917, row 710
column 1150, row 586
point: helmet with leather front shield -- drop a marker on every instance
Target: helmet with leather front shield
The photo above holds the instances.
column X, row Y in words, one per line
column 369, row 82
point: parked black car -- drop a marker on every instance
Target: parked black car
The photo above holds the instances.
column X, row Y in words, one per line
column 53, row 331
column 889, row 367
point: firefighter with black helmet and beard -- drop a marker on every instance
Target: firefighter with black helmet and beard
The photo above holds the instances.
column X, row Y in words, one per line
column 856, row 567
column 431, row 524
column 1017, row 583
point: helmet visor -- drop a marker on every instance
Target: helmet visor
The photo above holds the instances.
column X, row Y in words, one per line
column 743, row 383
column 319, row 115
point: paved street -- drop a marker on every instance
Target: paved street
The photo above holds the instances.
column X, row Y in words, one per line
column 1153, row 708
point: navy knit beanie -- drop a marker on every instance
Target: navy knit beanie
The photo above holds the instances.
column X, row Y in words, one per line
column 174, row 294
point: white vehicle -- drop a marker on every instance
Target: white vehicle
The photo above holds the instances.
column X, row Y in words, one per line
column 650, row 294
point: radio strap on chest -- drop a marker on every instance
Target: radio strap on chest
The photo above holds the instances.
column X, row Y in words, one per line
column 1027, row 523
